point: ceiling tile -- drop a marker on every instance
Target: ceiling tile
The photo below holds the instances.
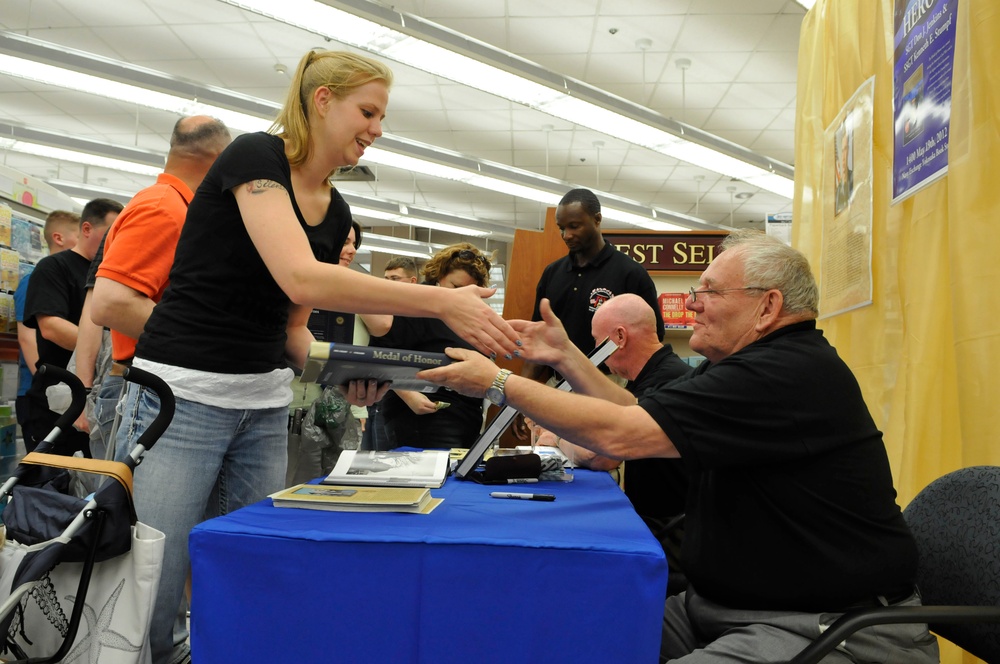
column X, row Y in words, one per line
column 740, row 85
column 722, row 33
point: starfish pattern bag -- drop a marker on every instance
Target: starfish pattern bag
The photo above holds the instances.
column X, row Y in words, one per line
column 78, row 576
column 116, row 613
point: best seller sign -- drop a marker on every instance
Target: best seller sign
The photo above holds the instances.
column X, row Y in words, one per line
column 677, row 253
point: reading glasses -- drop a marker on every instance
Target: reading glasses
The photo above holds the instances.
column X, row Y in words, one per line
column 705, row 291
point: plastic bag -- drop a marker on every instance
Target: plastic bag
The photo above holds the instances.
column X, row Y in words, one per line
column 314, row 450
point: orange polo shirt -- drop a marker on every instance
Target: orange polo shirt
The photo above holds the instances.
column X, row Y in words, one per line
column 139, row 249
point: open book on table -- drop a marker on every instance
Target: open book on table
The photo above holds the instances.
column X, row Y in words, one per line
column 419, row 468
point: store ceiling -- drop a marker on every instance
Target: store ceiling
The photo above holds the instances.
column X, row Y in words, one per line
column 740, row 86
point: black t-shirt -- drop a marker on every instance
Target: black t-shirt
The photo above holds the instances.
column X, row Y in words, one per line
column 56, row 289
column 223, row 311
column 657, row 487
column 791, row 504
column 575, row 293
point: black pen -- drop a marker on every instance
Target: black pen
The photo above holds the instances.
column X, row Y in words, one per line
column 548, row 497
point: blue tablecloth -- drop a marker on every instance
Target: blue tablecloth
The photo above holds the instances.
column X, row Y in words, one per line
column 478, row 580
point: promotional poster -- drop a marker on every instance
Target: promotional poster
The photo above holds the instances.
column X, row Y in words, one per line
column 923, row 60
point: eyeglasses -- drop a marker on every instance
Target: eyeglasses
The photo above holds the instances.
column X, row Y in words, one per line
column 469, row 255
column 705, row 291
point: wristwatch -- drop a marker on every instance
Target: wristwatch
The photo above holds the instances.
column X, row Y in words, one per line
column 495, row 391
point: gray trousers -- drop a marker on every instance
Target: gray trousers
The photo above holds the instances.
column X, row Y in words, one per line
column 697, row 631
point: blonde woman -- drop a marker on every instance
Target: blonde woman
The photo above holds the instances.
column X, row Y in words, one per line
column 258, row 252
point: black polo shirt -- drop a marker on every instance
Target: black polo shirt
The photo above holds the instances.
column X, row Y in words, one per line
column 657, row 487
column 791, row 504
column 577, row 292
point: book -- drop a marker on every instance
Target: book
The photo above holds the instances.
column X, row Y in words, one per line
column 673, row 309
column 338, row 364
column 420, row 468
column 356, row 499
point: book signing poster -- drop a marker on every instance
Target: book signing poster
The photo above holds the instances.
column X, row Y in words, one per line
column 923, row 60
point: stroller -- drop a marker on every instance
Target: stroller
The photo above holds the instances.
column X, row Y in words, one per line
column 46, row 527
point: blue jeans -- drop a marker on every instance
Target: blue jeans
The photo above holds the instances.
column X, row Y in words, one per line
column 209, row 462
column 105, row 405
column 374, row 437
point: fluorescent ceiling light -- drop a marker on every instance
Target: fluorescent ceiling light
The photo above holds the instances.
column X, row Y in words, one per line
column 133, row 94
column 90, row 191
column 395, row 160
column 395, row 245
column 412, row 156
column 808, row 4
column 636, row 220
column 415, row 215
column 561, row 97
column 439, row 226
column 87, row 158
column 381, row 215
column 401, row 153
column 406, row 220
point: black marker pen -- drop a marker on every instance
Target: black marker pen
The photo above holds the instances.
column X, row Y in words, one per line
column 548, row 497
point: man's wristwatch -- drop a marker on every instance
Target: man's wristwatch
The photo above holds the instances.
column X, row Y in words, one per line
column 495, row 391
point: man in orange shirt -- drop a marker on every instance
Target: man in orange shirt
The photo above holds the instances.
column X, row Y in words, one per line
column 139, row 249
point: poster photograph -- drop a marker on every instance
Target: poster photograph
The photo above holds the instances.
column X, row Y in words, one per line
column 846, row 263
column 843, row 166
column 923, row 60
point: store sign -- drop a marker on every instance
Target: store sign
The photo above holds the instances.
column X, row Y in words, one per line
column 681, row 252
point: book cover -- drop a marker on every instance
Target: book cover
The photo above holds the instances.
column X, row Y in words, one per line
column 673, row 309
column 20, row 238
column 356, row 499
column 338, row 364
column 421, row 468
column 5, row 218
column 8, row 314
column 10, row 273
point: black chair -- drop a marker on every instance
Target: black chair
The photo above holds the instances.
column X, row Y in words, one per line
column 956, row 522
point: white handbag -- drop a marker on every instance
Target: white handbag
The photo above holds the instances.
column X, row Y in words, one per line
column 118, row 607
column 117, row 610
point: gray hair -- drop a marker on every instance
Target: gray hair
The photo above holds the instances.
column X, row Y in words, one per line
column 770, row 263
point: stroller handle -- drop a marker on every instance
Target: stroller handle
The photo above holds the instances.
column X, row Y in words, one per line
column 49, row 375
column 163, row 391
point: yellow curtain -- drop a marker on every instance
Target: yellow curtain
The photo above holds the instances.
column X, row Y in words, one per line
column 927, row 350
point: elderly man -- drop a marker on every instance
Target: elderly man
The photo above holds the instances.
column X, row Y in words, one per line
column 791, row 517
